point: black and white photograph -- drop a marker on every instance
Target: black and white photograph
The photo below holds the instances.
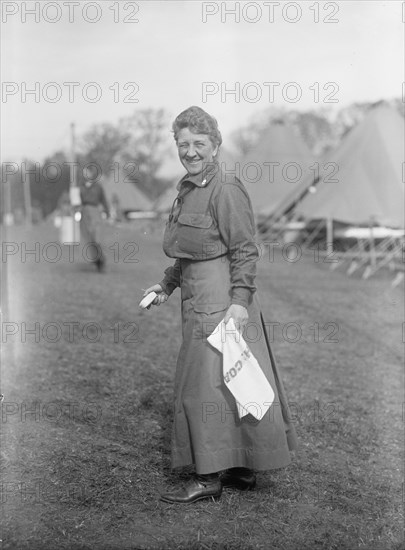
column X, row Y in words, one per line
column 202, row 224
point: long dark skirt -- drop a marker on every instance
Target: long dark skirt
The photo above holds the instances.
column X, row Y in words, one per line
column 91, row 226
column 207, row 431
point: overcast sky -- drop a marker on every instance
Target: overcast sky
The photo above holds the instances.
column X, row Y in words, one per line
column 355, row 52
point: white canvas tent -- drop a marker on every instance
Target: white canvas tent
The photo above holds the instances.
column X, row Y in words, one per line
column 368, row 191
column 277, row 166
column 125, row 196
column 171, row 170
column 370, row 185
column 165, row 201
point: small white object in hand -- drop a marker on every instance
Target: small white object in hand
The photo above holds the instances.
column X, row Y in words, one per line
column 146, row 302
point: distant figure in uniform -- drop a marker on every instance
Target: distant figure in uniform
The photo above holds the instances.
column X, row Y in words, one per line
column 64, row 207
column 116, row 210
column 93, row 197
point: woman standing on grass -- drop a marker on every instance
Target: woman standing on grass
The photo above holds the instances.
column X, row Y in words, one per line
column 210, row 233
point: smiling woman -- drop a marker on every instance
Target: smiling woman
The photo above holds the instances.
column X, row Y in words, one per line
column 210, row 233
column 198, row 139
column 195, row 150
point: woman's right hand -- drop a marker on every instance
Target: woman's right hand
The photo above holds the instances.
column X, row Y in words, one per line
column 161, row 297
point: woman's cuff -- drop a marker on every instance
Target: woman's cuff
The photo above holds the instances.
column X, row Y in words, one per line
column 241, row 296
column 167, row 287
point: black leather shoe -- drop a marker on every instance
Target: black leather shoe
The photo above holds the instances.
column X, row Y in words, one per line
column 239, row 478
column 194, row 489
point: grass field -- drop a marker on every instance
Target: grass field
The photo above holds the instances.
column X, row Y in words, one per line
column 87, row 409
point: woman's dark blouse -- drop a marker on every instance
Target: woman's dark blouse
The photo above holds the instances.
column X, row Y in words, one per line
column 213, row 217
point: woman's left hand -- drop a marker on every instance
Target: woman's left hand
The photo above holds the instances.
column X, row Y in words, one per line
column 239, row 314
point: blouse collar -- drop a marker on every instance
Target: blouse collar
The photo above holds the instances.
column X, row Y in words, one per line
column 203, row 178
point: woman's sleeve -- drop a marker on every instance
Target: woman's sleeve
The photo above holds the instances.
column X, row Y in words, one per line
column 172, row 278
column 236, row 225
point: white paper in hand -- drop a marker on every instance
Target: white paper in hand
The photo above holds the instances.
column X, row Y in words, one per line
column 146, row 302
column 242, row 373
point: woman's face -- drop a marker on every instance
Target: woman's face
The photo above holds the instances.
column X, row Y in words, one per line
column 195, row 150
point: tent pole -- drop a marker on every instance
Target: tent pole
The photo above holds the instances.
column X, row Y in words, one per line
column 308, row 241
column 329, row 234
column 373, row 259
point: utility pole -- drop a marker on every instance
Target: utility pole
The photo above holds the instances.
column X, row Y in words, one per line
column 7, row 213
column 4, row 266
column 73, row 171
column 27, row 201
column 74, row 190
column 70, row 230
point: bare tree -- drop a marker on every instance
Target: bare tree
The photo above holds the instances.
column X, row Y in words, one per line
column 101, row 145
column 147, row 146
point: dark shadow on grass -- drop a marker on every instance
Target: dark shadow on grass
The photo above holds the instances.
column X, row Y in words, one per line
column 158, row 399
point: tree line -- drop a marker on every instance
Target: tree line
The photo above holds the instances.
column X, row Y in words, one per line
column 138, row 146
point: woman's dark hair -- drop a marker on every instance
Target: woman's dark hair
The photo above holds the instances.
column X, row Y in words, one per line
column 198, row 122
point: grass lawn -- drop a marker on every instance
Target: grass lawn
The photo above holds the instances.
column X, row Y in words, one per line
column 87, row 410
